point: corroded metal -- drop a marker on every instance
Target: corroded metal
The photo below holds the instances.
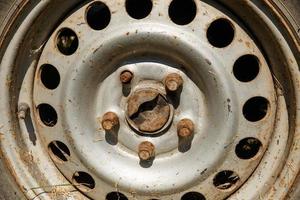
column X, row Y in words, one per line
column 173, row 82
column 185, row 128
column 148, row 110
column 85, row 140
column 126, row 77
column 109, row 121
column 146, row 151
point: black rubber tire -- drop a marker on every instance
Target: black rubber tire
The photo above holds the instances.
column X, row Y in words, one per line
column 9, row 190
column 8, row 187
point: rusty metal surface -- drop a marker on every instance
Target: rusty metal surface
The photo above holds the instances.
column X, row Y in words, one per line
column 126, row 77
column 287, row 94
column 185, row 128
column 148, row 110
column 110, row 120
column 146, row 151
column 210, row 97
column 173, row 82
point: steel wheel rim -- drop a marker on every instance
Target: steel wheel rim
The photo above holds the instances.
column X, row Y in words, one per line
column 186, row 191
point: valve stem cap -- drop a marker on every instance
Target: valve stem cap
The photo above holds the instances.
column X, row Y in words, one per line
column 109, row 121
column 146, row 151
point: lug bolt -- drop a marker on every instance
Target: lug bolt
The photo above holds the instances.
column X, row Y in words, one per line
column 126, row 77
column 185, row 128
column 173, row 82
column 109, row 121
column 146, row 151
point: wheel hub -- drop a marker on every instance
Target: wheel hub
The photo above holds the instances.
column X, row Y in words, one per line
column 148, row 111
column 154, row 105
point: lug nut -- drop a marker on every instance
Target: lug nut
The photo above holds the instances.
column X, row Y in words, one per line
column 173, row 82
column 126, row 77
column 146, row 151
column 109, row 121
column 185, row 128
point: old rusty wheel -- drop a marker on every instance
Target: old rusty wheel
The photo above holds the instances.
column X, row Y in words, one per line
column 150, row 99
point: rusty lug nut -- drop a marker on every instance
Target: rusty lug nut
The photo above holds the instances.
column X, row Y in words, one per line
column 173, row 82
column 126, row 77
column 146, row 151
column 109, row 121
column 185, row 128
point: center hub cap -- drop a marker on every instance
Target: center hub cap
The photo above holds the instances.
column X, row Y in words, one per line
column 148, row 111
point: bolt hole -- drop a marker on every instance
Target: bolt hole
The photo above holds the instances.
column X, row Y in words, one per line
column 59, row 151
column 193, row 196
column 255, row 109
column 50, row 76
column 98, row 16
column 116, row 196
column 83, row 181
column 182, row 12
column 47, row 114
column 246, row 68
column 248, row 148
column 67, row 41
column 225, row 179
column 220, row 33
column 139, row 9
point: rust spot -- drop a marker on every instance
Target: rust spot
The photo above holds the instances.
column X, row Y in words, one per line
column 1, row 136
column 248, row 44
column 8, row 82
